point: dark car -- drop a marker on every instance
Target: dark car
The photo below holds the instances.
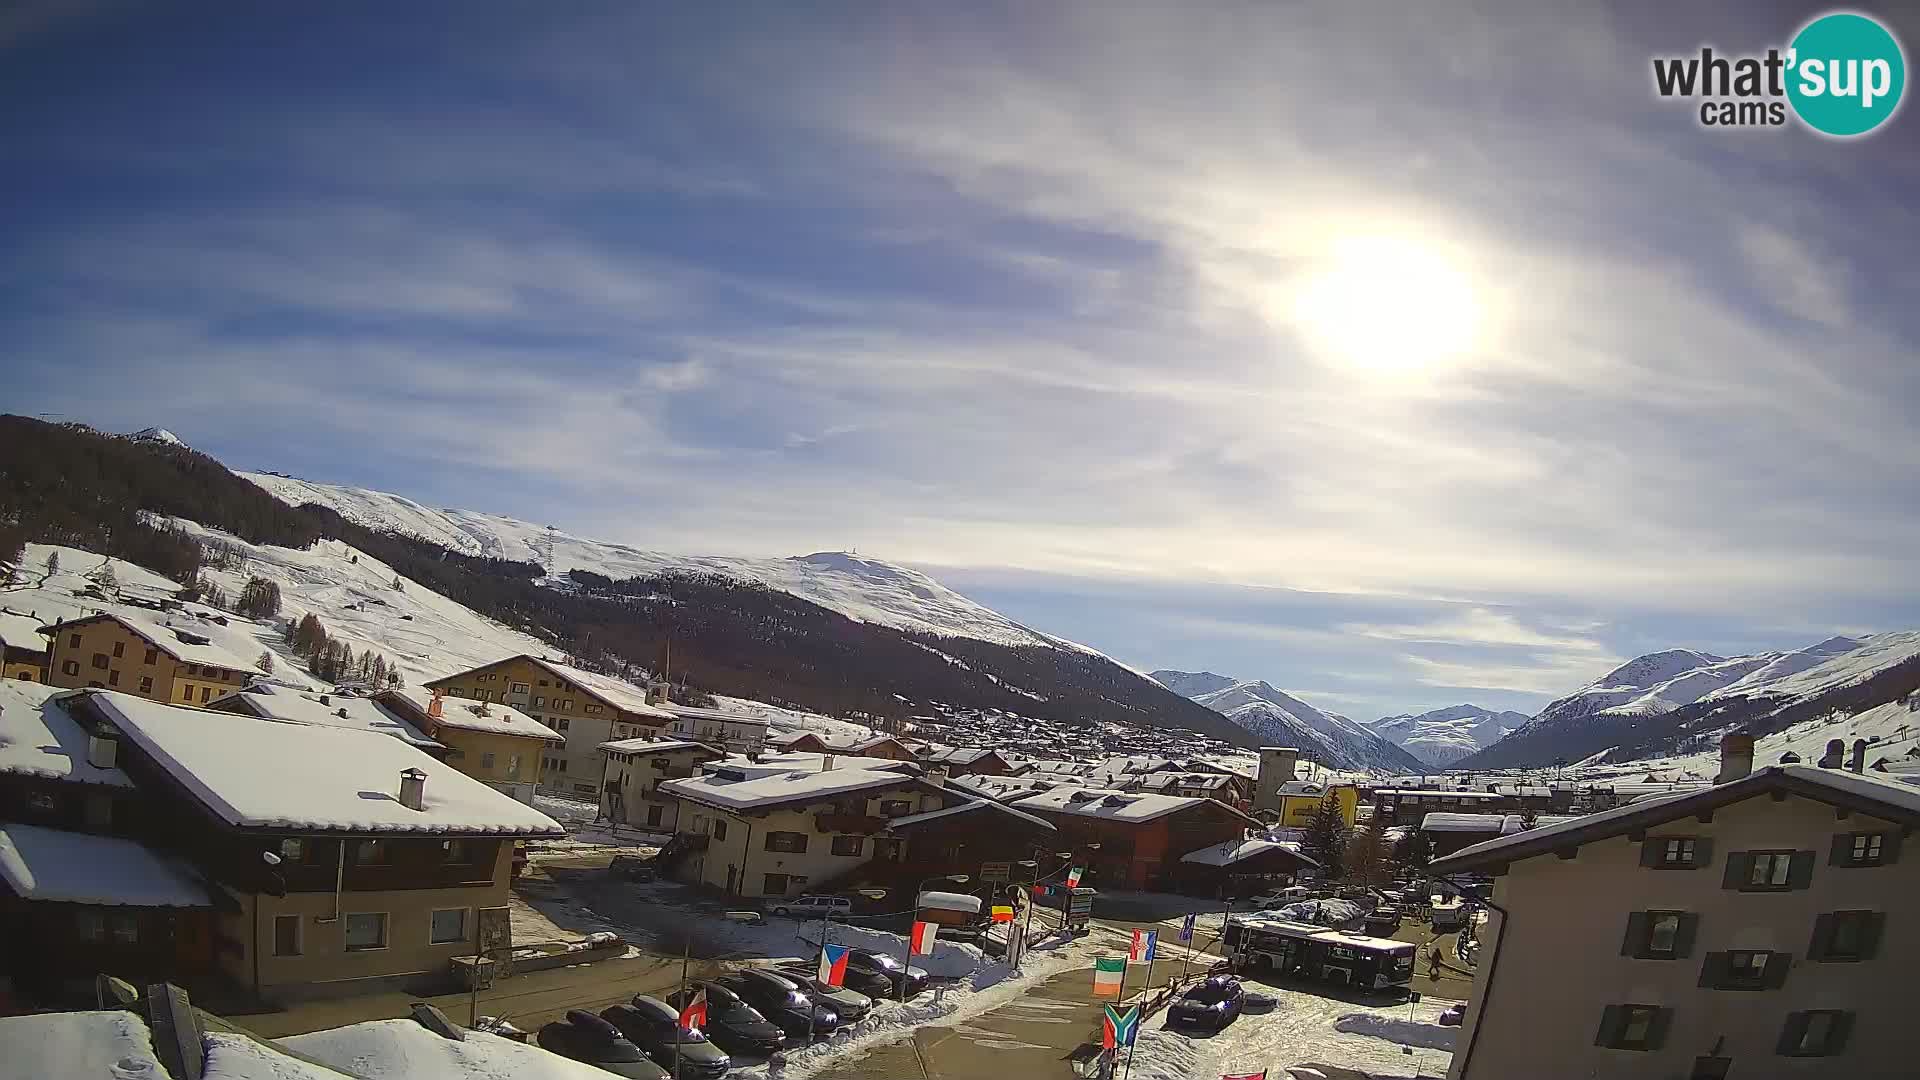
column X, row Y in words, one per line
column 732, row 1024
column 782, row 1001
column 654, row 1026
column 893, row 979
column 586, row 1038
column 1213, row 1003
column 852, row 1005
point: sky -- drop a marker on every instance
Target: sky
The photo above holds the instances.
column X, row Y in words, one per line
column 1398, row 355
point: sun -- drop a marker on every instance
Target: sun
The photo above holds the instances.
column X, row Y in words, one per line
column 1388, row 305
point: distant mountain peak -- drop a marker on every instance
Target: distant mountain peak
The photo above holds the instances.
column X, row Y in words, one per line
column 157, row 435
column 1440, row 737
column 1277, row 717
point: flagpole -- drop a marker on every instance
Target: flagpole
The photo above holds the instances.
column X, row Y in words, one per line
column 686, row 953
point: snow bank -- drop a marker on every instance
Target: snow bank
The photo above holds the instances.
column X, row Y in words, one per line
column 111, row 1045
column 1404, row 1032
column 403, row 1050
column 1337, row 913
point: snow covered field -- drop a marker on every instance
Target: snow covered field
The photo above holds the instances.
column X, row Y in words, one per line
column 1303, row 1029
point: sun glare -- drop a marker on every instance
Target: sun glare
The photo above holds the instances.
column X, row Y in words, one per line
column 1389, row 305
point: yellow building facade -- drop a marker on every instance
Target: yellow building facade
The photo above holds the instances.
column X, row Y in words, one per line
column 157, row 663
column 1297, row 807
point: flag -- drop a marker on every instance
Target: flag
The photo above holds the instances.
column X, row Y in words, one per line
column 1073, row 878
column 1261, row 1075
column 695, row 1014
column 1143, row 943
column 923, row 935
column 833, row 964
column 1186, row 928
column 1002, row 913
column 1042, row 890
column 1108, row 973
column 1118, row 1028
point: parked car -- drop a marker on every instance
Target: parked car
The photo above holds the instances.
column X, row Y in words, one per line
column 900, row 981
column 1454, row 1016
column 814, row 907
column 654, row 1026
column 586, row 1038
column 852, row 1005
column 732, row 1024
column 782, row 1001
column 1212, row 1003
column 631, row 868
column 1382, row 921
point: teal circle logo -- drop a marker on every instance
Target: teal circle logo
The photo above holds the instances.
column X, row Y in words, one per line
column 1846, row 74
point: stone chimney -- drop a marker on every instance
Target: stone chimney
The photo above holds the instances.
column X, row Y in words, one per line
column 1857, row 761
column 1835, row 755
column 937, row 776
column 413, row 789
column 437, row 707
column 826, row 762
column 1736, row 756
column 102, row 751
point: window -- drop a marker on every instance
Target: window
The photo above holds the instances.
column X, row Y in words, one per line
column 1768, row 871
column 449, row 925
column 896, row 807
column 539, row 703
column 186, row 692
column 113, row 677
column 459, row 852
column 520, row 688
column 787, row 841
column 849, row 845
column 366, row 930
column 206, row 692
column 720, row 832
column 40, row 802
column 293, row 849
column 1816, row 1033
column 146, row 684
column 73, row 641
column 189, row 669
column 659, row 764
column 370, row 853
column 1865, row 849
column 99, row 810
column 776, row 885
column 1633, row 1027
column 100, row 660
column 560, row 763
column 1747, row 968
column 560, row 724
column 90, row 927
column 1846, row 936
column 153, row 657
column 286, row 935
column 71, row 667
column 543, row 682
column 513, row 766
column 567, row 705
column 486, row 761
column 586, row 789
column 592, row 710
column 119, row 649
column 124, row 927
column 654, row 813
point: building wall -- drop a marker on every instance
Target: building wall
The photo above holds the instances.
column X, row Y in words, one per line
column 635, row 778
column 515, row 758
column 323, row 955
column 167, row 679
column 23, row 664
column 1560, row 964
column 737, row 737
column 743, row 850
column 1297, row 810
column 574, row 768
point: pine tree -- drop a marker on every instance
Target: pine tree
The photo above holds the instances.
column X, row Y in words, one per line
column 1326, row 839
column 259, row 599
column 393, row 676
column 1414, row 851
column 379, row 671
column 107, row 577
column 310, row 639
column 1366, row 859
column 398, row 585
column 264, row 662
column 53, row 562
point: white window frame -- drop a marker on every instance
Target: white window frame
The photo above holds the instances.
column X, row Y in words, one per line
column 386, row 931
column 465, row 919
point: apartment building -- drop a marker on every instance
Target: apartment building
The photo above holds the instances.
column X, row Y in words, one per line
column 145, row 657
column 732, row 732
column 23, row 649
column 1134, row 840
column 585, row 708
column 1756, row 927
column 632, row 772
column 496, row 744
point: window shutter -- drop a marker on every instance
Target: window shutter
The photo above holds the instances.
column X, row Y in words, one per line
column 1635, row 943
column 1683, row 937
column 1822, row 937
column 1657, row 1028
column 1611, row 1021
column 1800, row 870
column 1739, row 865
column 1651, row 849
column 1791, row 1033
column 1890, row 847
column 1713, row 970
column 1775, row 976
column 1842, row 853
column 1842, row 1027
column 1703, row 852
column 1870, row 934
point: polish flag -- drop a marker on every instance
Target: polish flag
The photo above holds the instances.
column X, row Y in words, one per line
column 923, row 936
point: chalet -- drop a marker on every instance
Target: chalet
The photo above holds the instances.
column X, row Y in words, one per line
column 23, row 649
column 1242, row 867
column 771, row 829
column 1220, row 787
column 1132, row 840
column 1448, row 833
column 632, row 771
column 138, row 655
column 496, row 744
column 337, row 859
column 964, row 761
column 1408, row 806
column 585, row 708
column 1755, row 927
column 733, row 732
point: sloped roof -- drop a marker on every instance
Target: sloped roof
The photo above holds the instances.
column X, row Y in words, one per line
column 488, row 716
column 603, row 688
column 22, row 632
column 167, row 638
column 645, row 745
column 1117, row 805
column 38, row 738
column 1233, row 851
column 338, row 711
column 80, row 868
column 715, row 789
column 969, row 804
column 1487, row 823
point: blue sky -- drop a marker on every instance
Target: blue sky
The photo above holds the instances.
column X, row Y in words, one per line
column 1031, row 296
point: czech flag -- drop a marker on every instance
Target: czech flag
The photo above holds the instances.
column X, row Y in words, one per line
column 1118, row 1028
column 1002, row 913
column 1109, row 972
column 923, row 935
column 833, row 964
column 1143, row 943
column 695, row 1014
column 1073, row 877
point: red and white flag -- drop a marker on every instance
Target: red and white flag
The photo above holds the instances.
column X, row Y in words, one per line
column 695, row 1014
column 923, row 935
column 1073, row 878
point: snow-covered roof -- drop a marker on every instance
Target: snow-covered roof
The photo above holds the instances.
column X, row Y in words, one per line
column 403, row 1050
column 693, row 712
column 615, row 692
column 951, row 901
column 38, row 738
column 644, row 745
column 184, row 640
column 488, row 716
column 969, row 804
column 1200, row 781
column 327, row 710
column 717, row 789
column 56, row 866
column 1301, row 787
column 22, row 632
column 1234, row 851
column 956, row 755
column 1884, row 797
column 79, row 1044
column 1487, row 823
column 1448, row 792
column 268, row 774
column 1115, row 805
column 802, row 761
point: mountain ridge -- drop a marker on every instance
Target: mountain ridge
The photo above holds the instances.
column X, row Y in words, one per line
column 1440, row 737
column 1278, row 718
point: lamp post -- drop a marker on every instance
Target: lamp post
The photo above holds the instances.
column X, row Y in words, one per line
column 1066, row 857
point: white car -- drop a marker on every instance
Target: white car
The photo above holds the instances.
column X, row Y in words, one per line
column 814, row 907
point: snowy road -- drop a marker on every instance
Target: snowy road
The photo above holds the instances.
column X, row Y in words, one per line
column 1299, row 1031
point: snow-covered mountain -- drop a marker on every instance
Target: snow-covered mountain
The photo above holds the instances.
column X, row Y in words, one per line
column 1280, row 719
column 868, row 590
column 157, row 435
column 1653, row 700
column 1441, row 737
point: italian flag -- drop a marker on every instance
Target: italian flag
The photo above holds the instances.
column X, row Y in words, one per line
column 923, row 935
column 1073, row 877
column 1108, row 973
